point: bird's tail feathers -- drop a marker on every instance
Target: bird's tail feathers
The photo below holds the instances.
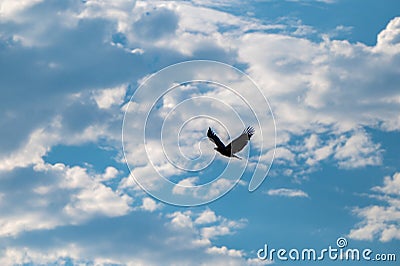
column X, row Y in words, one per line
column 235, row 156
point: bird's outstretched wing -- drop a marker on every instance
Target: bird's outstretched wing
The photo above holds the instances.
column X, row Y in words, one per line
column 214, row 138
column 238, row 144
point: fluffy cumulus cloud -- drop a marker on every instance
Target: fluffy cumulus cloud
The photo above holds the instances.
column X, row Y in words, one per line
column 173, row 239
column 68, row 69
column 70, row 233
column 308, row 84
column 150, row 205
column 311, row 85
column 383, row 220
column 75, row 195
column 48, row 196
column 105, row 98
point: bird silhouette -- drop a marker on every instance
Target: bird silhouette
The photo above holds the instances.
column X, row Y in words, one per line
column 235, row 146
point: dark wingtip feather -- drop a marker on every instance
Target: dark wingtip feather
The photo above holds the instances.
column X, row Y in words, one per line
column 250, row 131
column 209, row 132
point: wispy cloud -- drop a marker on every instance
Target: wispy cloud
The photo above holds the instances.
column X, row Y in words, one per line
column 287, row 192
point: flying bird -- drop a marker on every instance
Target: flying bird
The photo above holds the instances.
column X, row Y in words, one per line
column 235, row 146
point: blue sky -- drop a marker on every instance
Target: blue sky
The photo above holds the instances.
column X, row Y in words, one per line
column 330, row 71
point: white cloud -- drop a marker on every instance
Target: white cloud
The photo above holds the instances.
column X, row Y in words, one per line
column 179, row 244
column 66, row 127
column 218, row 186
column 128, row 183
column 202, row 224
column 202, row 233
column 206, row 217
column 381, row 221
column 225, row 251
column 328, row 87
column 313, row 87
column 105, row 98
column 187, row 182
column 9, row 8
column 31, row 153
column 224, row 227
column 281, row 153
column 391, row 185
column 219, row 3
column 257, row 261
column 95, row 200
column 312, row 141
column 58, row 195
column 358, row 151
column 148, row 204
column 310, row 91
column 287, row 192
column 388, row 39
column 323, row 153
column 304, row 80
column 13, row 256
column 214, row 231
column 110, row 173
column 113, row 10
column 181, row 219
